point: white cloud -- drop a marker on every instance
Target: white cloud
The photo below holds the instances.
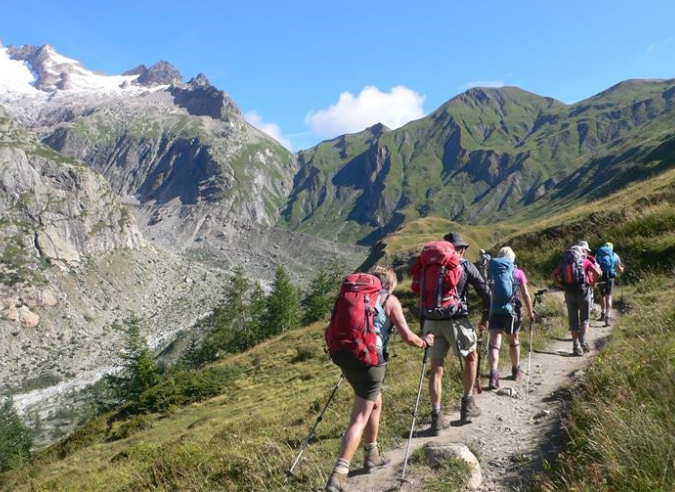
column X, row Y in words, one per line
column 272, row 129
column 484, row 83
column 658, row 45
column 355, row 113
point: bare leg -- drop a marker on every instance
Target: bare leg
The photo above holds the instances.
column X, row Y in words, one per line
column 435, row 381
column 360, row 417
column 373, row 424
column 469, row 376
column 514, row 349
column 495, row 341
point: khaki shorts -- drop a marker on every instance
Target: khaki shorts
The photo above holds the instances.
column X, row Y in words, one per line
column 444, row 337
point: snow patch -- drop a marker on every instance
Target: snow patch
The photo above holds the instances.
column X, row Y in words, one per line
column 15, row 75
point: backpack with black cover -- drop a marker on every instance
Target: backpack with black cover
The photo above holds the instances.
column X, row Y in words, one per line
column 351, row 326
column 572, row 270
column 435, row 274
column 605, row 258
column 501, row 272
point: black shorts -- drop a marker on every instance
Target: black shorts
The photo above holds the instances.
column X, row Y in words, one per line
column 506, row 323
column 366, row 380
column 606, row 286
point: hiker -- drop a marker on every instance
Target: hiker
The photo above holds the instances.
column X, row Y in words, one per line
column 577, row 273
column 367, row 383
column 482, row 263
column 609, row 263
column 455, row 331
column 508, row 285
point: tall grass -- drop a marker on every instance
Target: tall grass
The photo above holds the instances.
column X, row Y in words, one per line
column 620, row 429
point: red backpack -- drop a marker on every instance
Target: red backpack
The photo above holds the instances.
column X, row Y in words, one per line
column 436, row 273
column 351, row 325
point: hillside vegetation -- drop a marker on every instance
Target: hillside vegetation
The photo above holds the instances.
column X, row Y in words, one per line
column 246, row 437
column 485, row 155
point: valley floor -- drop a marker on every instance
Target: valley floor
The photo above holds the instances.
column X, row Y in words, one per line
column 515, row 435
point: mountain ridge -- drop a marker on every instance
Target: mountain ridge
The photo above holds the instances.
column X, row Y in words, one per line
column 482, row 156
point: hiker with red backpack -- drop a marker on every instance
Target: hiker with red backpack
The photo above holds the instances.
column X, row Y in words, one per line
column 610, row 264
column 577, row 273
column 508, row 283
column 364, row 316
column 441, row 278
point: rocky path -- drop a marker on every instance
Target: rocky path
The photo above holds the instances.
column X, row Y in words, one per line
column 514, row 434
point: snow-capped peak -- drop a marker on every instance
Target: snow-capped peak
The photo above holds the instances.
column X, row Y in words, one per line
column 27, row 69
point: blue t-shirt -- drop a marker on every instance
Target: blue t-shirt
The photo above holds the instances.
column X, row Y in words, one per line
column 383, row 324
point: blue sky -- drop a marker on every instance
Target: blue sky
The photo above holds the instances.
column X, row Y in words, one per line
column 306, row 71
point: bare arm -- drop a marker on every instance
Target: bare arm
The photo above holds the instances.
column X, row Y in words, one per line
column 394, row 312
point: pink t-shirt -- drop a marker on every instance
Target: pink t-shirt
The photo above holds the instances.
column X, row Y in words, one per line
column 519, row 275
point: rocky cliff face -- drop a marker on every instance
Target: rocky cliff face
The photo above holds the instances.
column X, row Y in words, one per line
column 182, row 153
column 54, row 209
column 56, row 215
column 182, row 156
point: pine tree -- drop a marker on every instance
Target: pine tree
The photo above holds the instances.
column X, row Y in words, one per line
column 15, row 437
column 283, row 305
column 318, row 303
column 137, row 370
column 235, row 311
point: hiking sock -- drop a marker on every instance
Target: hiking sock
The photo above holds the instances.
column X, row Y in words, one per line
column 341, row 466
column 370, row 446
column 436, row 408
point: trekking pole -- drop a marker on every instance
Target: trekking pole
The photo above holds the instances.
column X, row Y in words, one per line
column 537, row 298
column 459, row 355
column 414, row 415
column 479, row 349
column 311, row 432
column 529, row 355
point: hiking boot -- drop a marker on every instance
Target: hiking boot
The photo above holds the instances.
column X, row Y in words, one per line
column 602, row 316
column 439, row 422
column 585, row 347
column 577, row 350
column 517, row 373
column 373, row 459
column 607, row 320
column 468, row 409
column 337, row 482
column 494, row 381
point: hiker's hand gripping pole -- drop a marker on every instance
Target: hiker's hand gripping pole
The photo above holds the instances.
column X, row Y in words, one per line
column 311, row 432
column 414, row 415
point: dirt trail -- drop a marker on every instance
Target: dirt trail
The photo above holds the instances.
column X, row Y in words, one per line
column 514, row 434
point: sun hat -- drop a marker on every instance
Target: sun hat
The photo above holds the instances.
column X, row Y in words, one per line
column 456, row 239
column 609, row 245
column 584, row 246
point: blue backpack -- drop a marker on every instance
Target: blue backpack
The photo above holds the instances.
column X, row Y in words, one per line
column 504, row 285
column 606, row 260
